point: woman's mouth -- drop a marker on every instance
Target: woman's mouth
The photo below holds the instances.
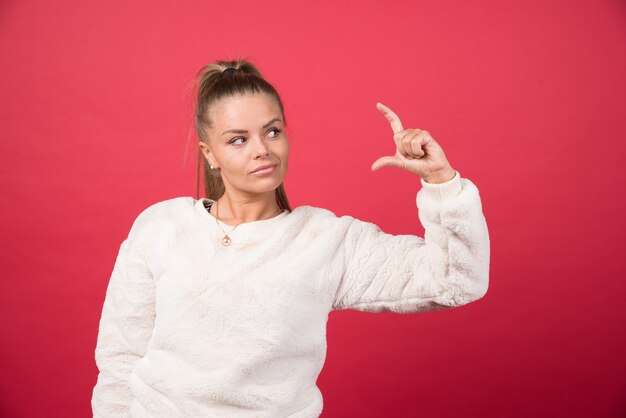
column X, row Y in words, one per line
column 264, row 170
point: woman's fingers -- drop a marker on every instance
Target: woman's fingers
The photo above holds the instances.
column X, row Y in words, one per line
column 418, row 144
column 411, row 144
column 388, row 161
column 416, row 150
column 407, row 141
column 399, row 139
column 393, row 119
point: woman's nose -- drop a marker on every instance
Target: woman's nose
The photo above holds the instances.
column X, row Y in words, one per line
column 261, row 147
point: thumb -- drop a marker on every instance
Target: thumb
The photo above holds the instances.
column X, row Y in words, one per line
column 387, row 161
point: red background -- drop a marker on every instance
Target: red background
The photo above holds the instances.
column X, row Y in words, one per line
column 526, row 98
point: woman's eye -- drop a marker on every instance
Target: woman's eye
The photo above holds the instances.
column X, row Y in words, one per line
column 275, row 130
column 234, row 140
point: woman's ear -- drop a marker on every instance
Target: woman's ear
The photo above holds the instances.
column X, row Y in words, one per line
column 206, row 151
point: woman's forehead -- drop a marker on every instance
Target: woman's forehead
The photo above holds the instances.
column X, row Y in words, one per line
column 250, row 109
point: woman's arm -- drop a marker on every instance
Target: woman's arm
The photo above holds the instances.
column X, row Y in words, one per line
column 126, row 326
column 405, row 273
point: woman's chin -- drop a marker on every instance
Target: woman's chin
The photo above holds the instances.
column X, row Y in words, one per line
column 266, row 184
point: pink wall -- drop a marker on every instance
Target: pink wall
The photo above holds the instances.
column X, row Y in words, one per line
column 526, row 98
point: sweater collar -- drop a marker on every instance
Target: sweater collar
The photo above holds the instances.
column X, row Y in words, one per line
column 245, row 231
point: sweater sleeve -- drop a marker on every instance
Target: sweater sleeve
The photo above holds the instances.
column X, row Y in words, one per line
column 126, row 326
column 449, row 267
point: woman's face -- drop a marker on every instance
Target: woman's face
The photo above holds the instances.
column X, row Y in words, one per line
column 248, row 132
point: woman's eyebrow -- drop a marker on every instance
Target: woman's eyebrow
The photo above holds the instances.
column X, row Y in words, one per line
column 243, row 131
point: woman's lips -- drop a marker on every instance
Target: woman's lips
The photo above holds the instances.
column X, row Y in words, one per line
column 264, row 171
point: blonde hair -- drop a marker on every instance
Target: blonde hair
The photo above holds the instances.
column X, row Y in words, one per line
column 212, row 86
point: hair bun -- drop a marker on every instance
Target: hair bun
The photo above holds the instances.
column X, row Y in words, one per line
column 229, row 70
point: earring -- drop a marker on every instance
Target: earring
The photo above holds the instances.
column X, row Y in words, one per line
column 211, row 166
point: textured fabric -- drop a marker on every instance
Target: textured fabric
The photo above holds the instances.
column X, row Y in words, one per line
column 192, row 328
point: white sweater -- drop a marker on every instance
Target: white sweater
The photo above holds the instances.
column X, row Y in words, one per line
column 193, row 328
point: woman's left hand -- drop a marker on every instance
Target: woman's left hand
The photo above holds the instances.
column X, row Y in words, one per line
column 416, row 151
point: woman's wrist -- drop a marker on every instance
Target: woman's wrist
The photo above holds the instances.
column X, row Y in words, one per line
column 444, row 190
column 442, row 176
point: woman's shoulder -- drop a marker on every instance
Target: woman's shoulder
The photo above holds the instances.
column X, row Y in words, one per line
column 157, row 214
column 166, row 206
column 311, row 211
column 315, row 215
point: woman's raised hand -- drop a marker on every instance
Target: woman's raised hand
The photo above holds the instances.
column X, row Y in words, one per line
column 416, row 151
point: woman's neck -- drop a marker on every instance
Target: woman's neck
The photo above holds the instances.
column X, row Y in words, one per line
column 234, row 209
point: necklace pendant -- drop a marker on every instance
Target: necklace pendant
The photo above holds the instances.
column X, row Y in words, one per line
column 226, row 240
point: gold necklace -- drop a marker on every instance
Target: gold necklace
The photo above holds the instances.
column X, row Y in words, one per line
column 226, row 240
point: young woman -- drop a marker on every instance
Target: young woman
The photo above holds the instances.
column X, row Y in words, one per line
column 217, row 307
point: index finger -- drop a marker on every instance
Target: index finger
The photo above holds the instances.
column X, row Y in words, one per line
column 393, row 119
